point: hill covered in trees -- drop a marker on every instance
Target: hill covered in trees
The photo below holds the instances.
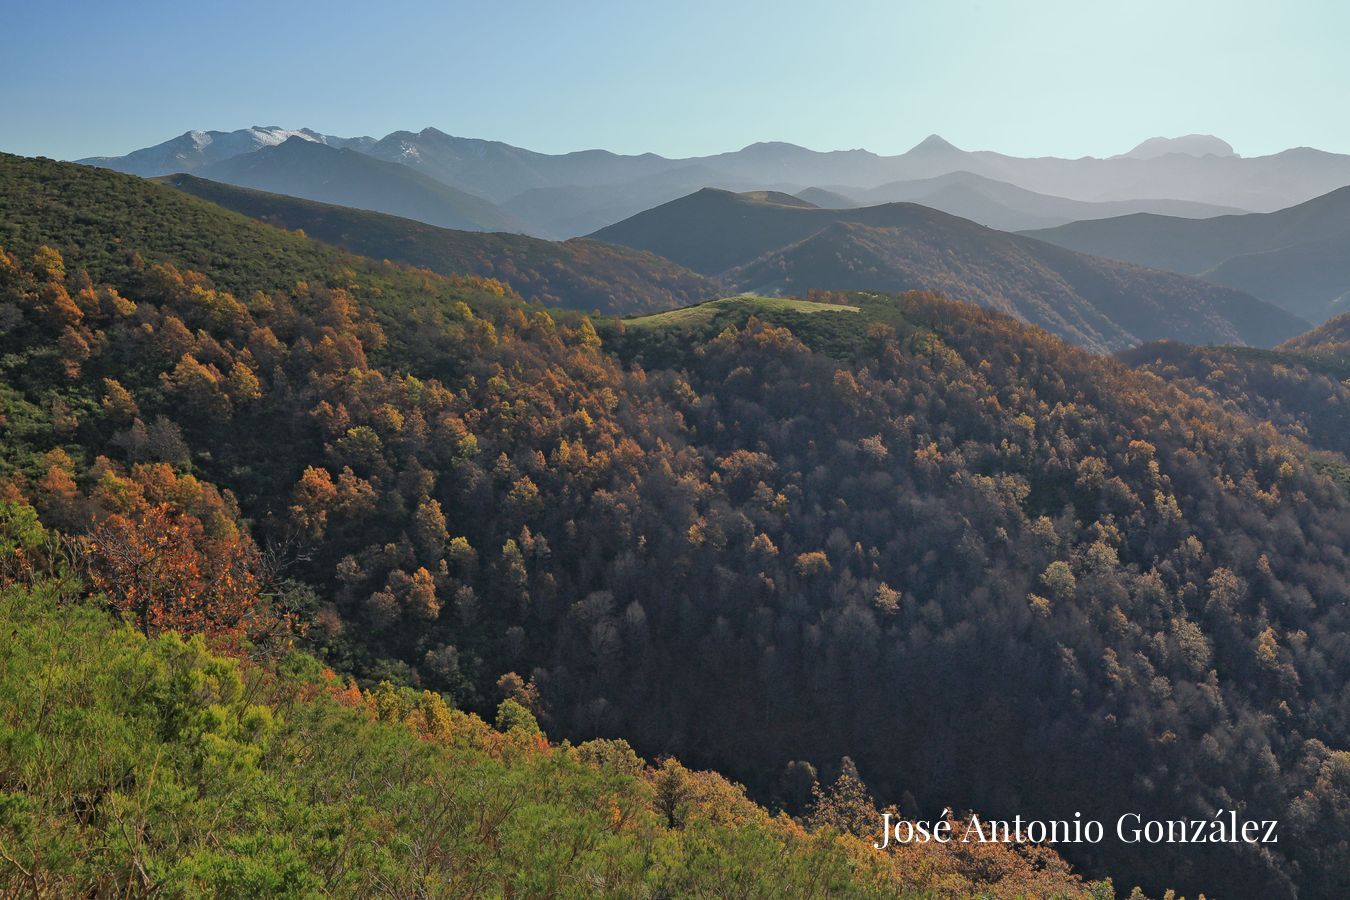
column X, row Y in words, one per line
column 1304, row 394
column 768, row 246
column 993, row 571
column 1302, row 388
column 1331, row 338
column 578, row 274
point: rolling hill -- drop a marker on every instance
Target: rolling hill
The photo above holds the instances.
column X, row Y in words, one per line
column 768, row 246
column 314, row 171
column 1296, row 258
column 578, row 274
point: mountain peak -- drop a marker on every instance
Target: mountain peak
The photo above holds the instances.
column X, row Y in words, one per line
column 1197, row 145
column 934, row 143
column 773, row 148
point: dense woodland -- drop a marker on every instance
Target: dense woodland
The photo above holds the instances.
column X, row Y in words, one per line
column 1331, row 338
column 137, row 767
column 1305, row 395
column 992, row 571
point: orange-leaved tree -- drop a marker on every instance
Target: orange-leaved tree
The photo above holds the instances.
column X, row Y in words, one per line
column 158, row 568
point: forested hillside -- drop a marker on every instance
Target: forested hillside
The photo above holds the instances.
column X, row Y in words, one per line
column 1304, row 394
column 578, row 274
column 993, row 571
column 1331, row 338
column 143, row 767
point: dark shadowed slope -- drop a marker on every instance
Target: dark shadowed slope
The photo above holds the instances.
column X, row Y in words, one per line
column 578, row 274
column 311, row 170
column 1096, row 303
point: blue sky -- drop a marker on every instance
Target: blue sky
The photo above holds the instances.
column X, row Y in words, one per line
column 691, row 77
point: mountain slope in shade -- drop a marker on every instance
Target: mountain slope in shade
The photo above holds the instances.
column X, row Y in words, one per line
column 1296, row 258
column 1097, row 303
column 193, row 150
column 346, row 177
column 578, row 274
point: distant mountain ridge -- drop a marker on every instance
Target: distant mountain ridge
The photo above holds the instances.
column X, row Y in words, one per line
column 563, row 195
column 196, row 149
column 778, row 248
column 315, row 171
column 1189, row 145
column 1297, row 258
column 1007, row 207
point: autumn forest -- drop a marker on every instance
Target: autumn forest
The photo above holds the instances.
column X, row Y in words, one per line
column 356, row 557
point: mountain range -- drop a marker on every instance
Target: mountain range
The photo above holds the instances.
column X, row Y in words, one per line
column 196, row 149
column 1001, row 205
column 779, row 244
column 565, row 195
column 1297, row 258
column 313, row 170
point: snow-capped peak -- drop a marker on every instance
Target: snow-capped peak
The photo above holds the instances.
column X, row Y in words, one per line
column 271, row 135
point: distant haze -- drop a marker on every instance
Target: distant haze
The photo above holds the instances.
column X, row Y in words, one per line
column 1054, row 77
column 467, row 182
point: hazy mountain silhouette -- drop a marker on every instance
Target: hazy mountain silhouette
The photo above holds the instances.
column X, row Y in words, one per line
column 311, row 170
column 572, row 193
column 1189, row 145
column 827, row 199
column 1010, row 208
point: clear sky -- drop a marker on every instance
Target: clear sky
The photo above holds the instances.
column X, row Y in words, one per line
column 1053, row 77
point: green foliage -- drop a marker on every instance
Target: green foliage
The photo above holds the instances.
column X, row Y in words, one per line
column 511, row 715
column 134, row 767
